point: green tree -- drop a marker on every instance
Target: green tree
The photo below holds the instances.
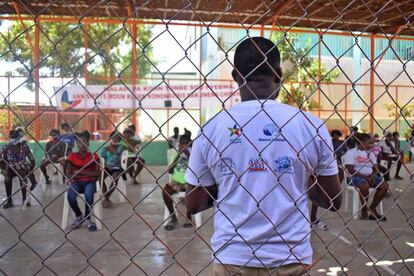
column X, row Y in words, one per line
column 405, row 111
column 302, row 72
column 62, row 49
column 4, row 118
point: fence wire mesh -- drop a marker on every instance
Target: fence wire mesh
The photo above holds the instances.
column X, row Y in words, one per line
column 263, row 167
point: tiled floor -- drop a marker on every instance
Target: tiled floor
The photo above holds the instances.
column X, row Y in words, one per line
column 133, row 241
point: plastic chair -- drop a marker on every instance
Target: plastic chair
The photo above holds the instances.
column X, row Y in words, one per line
column 170, row 153
column 121, row 187
column 26, row 186
column 97, row 202
column 177, row 198
column 51, row 169
column 124, row 165
column 355, row 195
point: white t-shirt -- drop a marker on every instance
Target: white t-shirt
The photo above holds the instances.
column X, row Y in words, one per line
column 175, row 142
column 362, row 161
column 263, row 218
column 385, row 148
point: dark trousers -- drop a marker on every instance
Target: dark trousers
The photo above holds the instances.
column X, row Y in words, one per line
column 8, row 183
column 81, row 187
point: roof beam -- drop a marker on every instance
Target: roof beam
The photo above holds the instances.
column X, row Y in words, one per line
column 280, row 10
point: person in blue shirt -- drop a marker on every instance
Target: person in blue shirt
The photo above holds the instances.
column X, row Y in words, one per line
column 67, row 137
column 112, row 155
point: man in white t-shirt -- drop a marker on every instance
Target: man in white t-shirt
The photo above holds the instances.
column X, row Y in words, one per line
column 361, row 164
column 254, row 162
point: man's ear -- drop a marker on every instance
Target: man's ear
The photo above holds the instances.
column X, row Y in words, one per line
column 278, row 77
column 235, row 75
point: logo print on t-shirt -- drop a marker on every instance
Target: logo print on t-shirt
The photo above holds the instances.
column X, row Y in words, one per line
column 272, row 133
column 235, row 131
column 226, row 166
column 257, row 165
column 284, row 165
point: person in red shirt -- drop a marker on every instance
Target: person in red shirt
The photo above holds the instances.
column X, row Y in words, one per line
column 82, row 170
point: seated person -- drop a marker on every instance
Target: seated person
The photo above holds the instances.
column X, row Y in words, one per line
column 177, row 169
column 23, row 139
column 82, row 170
column 67, row 137
column 361, row 164
column 388, row 155
column 55, row 152
column 339, row 148
column 132, row 145
column 112, row 155
column 16, row 160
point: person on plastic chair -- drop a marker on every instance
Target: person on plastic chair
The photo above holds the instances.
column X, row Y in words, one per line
column 112, row 155
column 55, row 152
column 23, row 140
column 16, row 160
column 361, row 163
column 132, row 145
column 400, row 158
column 388, row 155
column 177, row 169
column 339, row 147
column 82, row 170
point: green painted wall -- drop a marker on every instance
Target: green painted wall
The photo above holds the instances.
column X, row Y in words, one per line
column 154, row 153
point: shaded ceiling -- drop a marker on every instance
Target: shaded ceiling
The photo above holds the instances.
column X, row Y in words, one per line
column 377, row 16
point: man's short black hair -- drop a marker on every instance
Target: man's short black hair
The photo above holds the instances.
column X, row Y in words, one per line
column 185, row 137
column 14, row 134
column 54, row 131
column 395, row 133
column 336, row 132
column 128, row 130
column 133, row 127
column 114, row 133
column 362, row 137
column 84, row 134
column 65, row 125
column 256, row 56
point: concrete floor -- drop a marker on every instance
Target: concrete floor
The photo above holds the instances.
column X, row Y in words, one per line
column 133, row 241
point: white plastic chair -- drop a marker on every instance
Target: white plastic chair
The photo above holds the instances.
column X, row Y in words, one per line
column 355, row 195
column 170, row 153
column 27, row 187
column 51, row 169
column 121, row 187
column 97, row 203
column 177, row 198
column 124, row 165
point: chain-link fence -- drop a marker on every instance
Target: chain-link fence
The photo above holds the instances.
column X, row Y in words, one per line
column 198, row 150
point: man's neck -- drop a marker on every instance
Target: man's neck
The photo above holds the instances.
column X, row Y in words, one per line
column 258, row 90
